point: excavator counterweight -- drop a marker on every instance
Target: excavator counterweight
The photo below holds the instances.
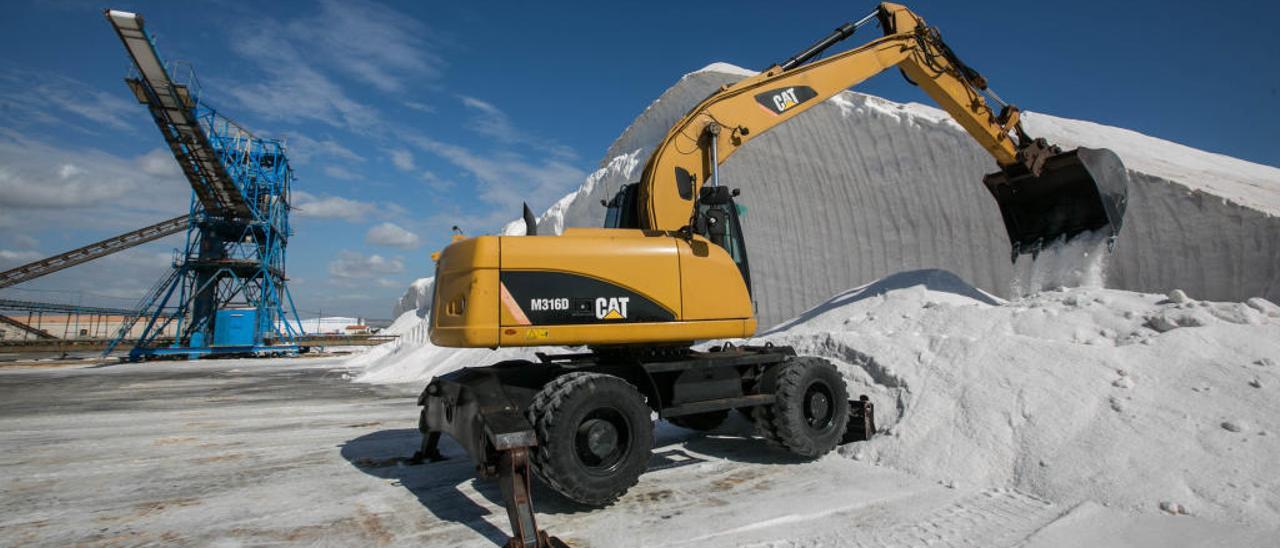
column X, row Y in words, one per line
column 1078, row 191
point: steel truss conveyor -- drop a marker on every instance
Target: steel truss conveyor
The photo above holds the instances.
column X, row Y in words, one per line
column 92, row 251
column 173, row 108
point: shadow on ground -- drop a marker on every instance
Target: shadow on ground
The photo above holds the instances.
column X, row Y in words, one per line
column 438, row 485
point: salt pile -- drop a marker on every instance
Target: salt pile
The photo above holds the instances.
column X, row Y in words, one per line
column 1127, row 399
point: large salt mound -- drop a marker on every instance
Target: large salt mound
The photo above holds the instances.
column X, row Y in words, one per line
column 416, row 299
column 1082, row 395
column 860, row 187
column 1122, row 398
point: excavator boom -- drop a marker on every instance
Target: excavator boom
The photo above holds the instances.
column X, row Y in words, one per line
column 1043, row 193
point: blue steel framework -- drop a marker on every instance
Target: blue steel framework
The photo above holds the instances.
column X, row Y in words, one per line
column 238, row 225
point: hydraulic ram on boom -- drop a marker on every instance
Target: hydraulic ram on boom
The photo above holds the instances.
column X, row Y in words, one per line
column 671, row 268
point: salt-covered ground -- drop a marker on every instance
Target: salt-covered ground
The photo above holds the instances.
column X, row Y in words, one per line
column 1007, row 424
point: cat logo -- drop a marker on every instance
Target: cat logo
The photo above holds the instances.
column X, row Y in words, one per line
column 778, row 101
column 785, row 99
column 612, row 308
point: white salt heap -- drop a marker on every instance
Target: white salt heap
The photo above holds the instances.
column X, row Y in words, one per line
column 1122, row 398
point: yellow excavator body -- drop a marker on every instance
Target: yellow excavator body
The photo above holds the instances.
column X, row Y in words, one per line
column 588, row 286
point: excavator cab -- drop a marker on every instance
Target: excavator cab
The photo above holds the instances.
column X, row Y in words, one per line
column 621, row 210
column 1078, row 191
column 716, row 219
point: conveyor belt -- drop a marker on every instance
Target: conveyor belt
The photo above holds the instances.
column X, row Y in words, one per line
column 60, row 308
column 39, row 333
column 173, row 110
column 92, row 251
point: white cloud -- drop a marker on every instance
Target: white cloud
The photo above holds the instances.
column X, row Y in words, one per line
column 491, row 121
column 339, row 172
column 46, row 99
column 291, row 89
column 160, row 163
column 67, row 171
column 10, row 257
column 506, row 178
column 402, row 159
column 24, row 241
column 96, row 106
column 351, row 266
column 296, row 54
column 38, row 175
column 343, row 30
column 306, row 204
column 435, row 182
column 303, row 149
column 420, row 107
column 391, row 234
column 389, row 283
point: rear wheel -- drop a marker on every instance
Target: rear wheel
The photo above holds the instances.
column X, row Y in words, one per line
column 701, row 422
column 811, row 408
column 595, row 436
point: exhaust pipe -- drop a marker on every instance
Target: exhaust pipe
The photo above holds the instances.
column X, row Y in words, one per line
column 1078, row 191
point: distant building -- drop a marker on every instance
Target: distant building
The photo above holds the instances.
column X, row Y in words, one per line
column 74, row 326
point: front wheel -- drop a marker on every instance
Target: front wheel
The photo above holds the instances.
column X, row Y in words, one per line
column 595, row 436
column 810, row 412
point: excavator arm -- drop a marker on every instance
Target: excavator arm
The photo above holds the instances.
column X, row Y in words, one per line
column 1043, row 194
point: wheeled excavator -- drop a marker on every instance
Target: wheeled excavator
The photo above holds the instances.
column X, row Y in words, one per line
column 670, row 268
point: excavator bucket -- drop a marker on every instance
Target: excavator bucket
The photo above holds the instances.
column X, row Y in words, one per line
column 1078, row 191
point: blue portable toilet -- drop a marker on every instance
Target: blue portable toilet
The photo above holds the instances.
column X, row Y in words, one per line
column 235, row 327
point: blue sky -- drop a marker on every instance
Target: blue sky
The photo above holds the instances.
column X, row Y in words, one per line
column 404, row 119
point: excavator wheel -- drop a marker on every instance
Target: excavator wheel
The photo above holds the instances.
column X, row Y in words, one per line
column 701, row 422
column 595, row 436
column 811, row 411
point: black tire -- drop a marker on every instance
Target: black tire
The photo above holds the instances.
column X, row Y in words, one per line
column 595, row 436
column 811, row 411
column 701, row 422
